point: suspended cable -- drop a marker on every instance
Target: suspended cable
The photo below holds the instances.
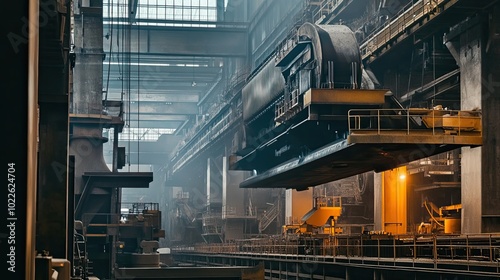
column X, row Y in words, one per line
column 127, row 64
column 110, row 53
column 432, row 216
column 138, row 90
column 424, row 53
column 409, row 78
column 434, row 70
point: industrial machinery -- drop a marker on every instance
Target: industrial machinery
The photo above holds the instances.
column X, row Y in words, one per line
column 314, row 115
column 135, row 233
column 445, row 219
column 307, row 88
column 319, row 221
column 105, row 238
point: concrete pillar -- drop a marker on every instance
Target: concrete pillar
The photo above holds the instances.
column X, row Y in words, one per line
column 470, row 55
column 477, row 55
column 86, row 141
column 88, row 83
column 234, row 205
column 378, row 223
column 490, row 103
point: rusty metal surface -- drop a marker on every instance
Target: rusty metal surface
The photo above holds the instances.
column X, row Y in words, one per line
column 344, row 96
column 422, row 137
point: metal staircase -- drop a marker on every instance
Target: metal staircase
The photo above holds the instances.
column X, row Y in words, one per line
column 269, row 216
column 82, row 266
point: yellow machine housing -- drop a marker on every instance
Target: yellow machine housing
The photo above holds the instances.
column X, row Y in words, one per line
column 315, row 221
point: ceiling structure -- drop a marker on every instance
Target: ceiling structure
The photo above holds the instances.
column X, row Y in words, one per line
column 165, row 59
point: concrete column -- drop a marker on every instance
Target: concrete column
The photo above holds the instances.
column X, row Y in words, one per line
column 470, row 58
column 378, row 209
column 234, row 204
column 490, row 103
column 476, row 50
column 88, row 84
column 86, row 141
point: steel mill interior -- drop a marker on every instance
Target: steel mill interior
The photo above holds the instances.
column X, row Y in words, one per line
column 257, row 139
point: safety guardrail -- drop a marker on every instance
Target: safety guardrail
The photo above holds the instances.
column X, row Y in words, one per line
column 414, row 120
column 404, row 19
column 478, row 249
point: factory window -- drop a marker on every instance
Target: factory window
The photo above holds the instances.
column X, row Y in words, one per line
column 163, row 12
column 140, row 134
column 185, row 10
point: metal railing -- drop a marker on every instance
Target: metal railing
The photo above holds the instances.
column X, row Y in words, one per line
column 473, row 252
column 232, row 211
column 325, row 8
column 286, row 104
column 406, row 17
column 140, row 207
column 410, row 121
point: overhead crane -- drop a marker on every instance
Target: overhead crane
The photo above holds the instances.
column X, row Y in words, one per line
column 330, row 122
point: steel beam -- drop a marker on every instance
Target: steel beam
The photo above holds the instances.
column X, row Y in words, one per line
column 155, row 121
column 178, row 108
column 421, row 15
column 157, row 97
column 132, row 116
column 344, row 96
column 155, row 124
column 423, row 137
column 145, row 85
column 159, row 66
column 169, row 40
